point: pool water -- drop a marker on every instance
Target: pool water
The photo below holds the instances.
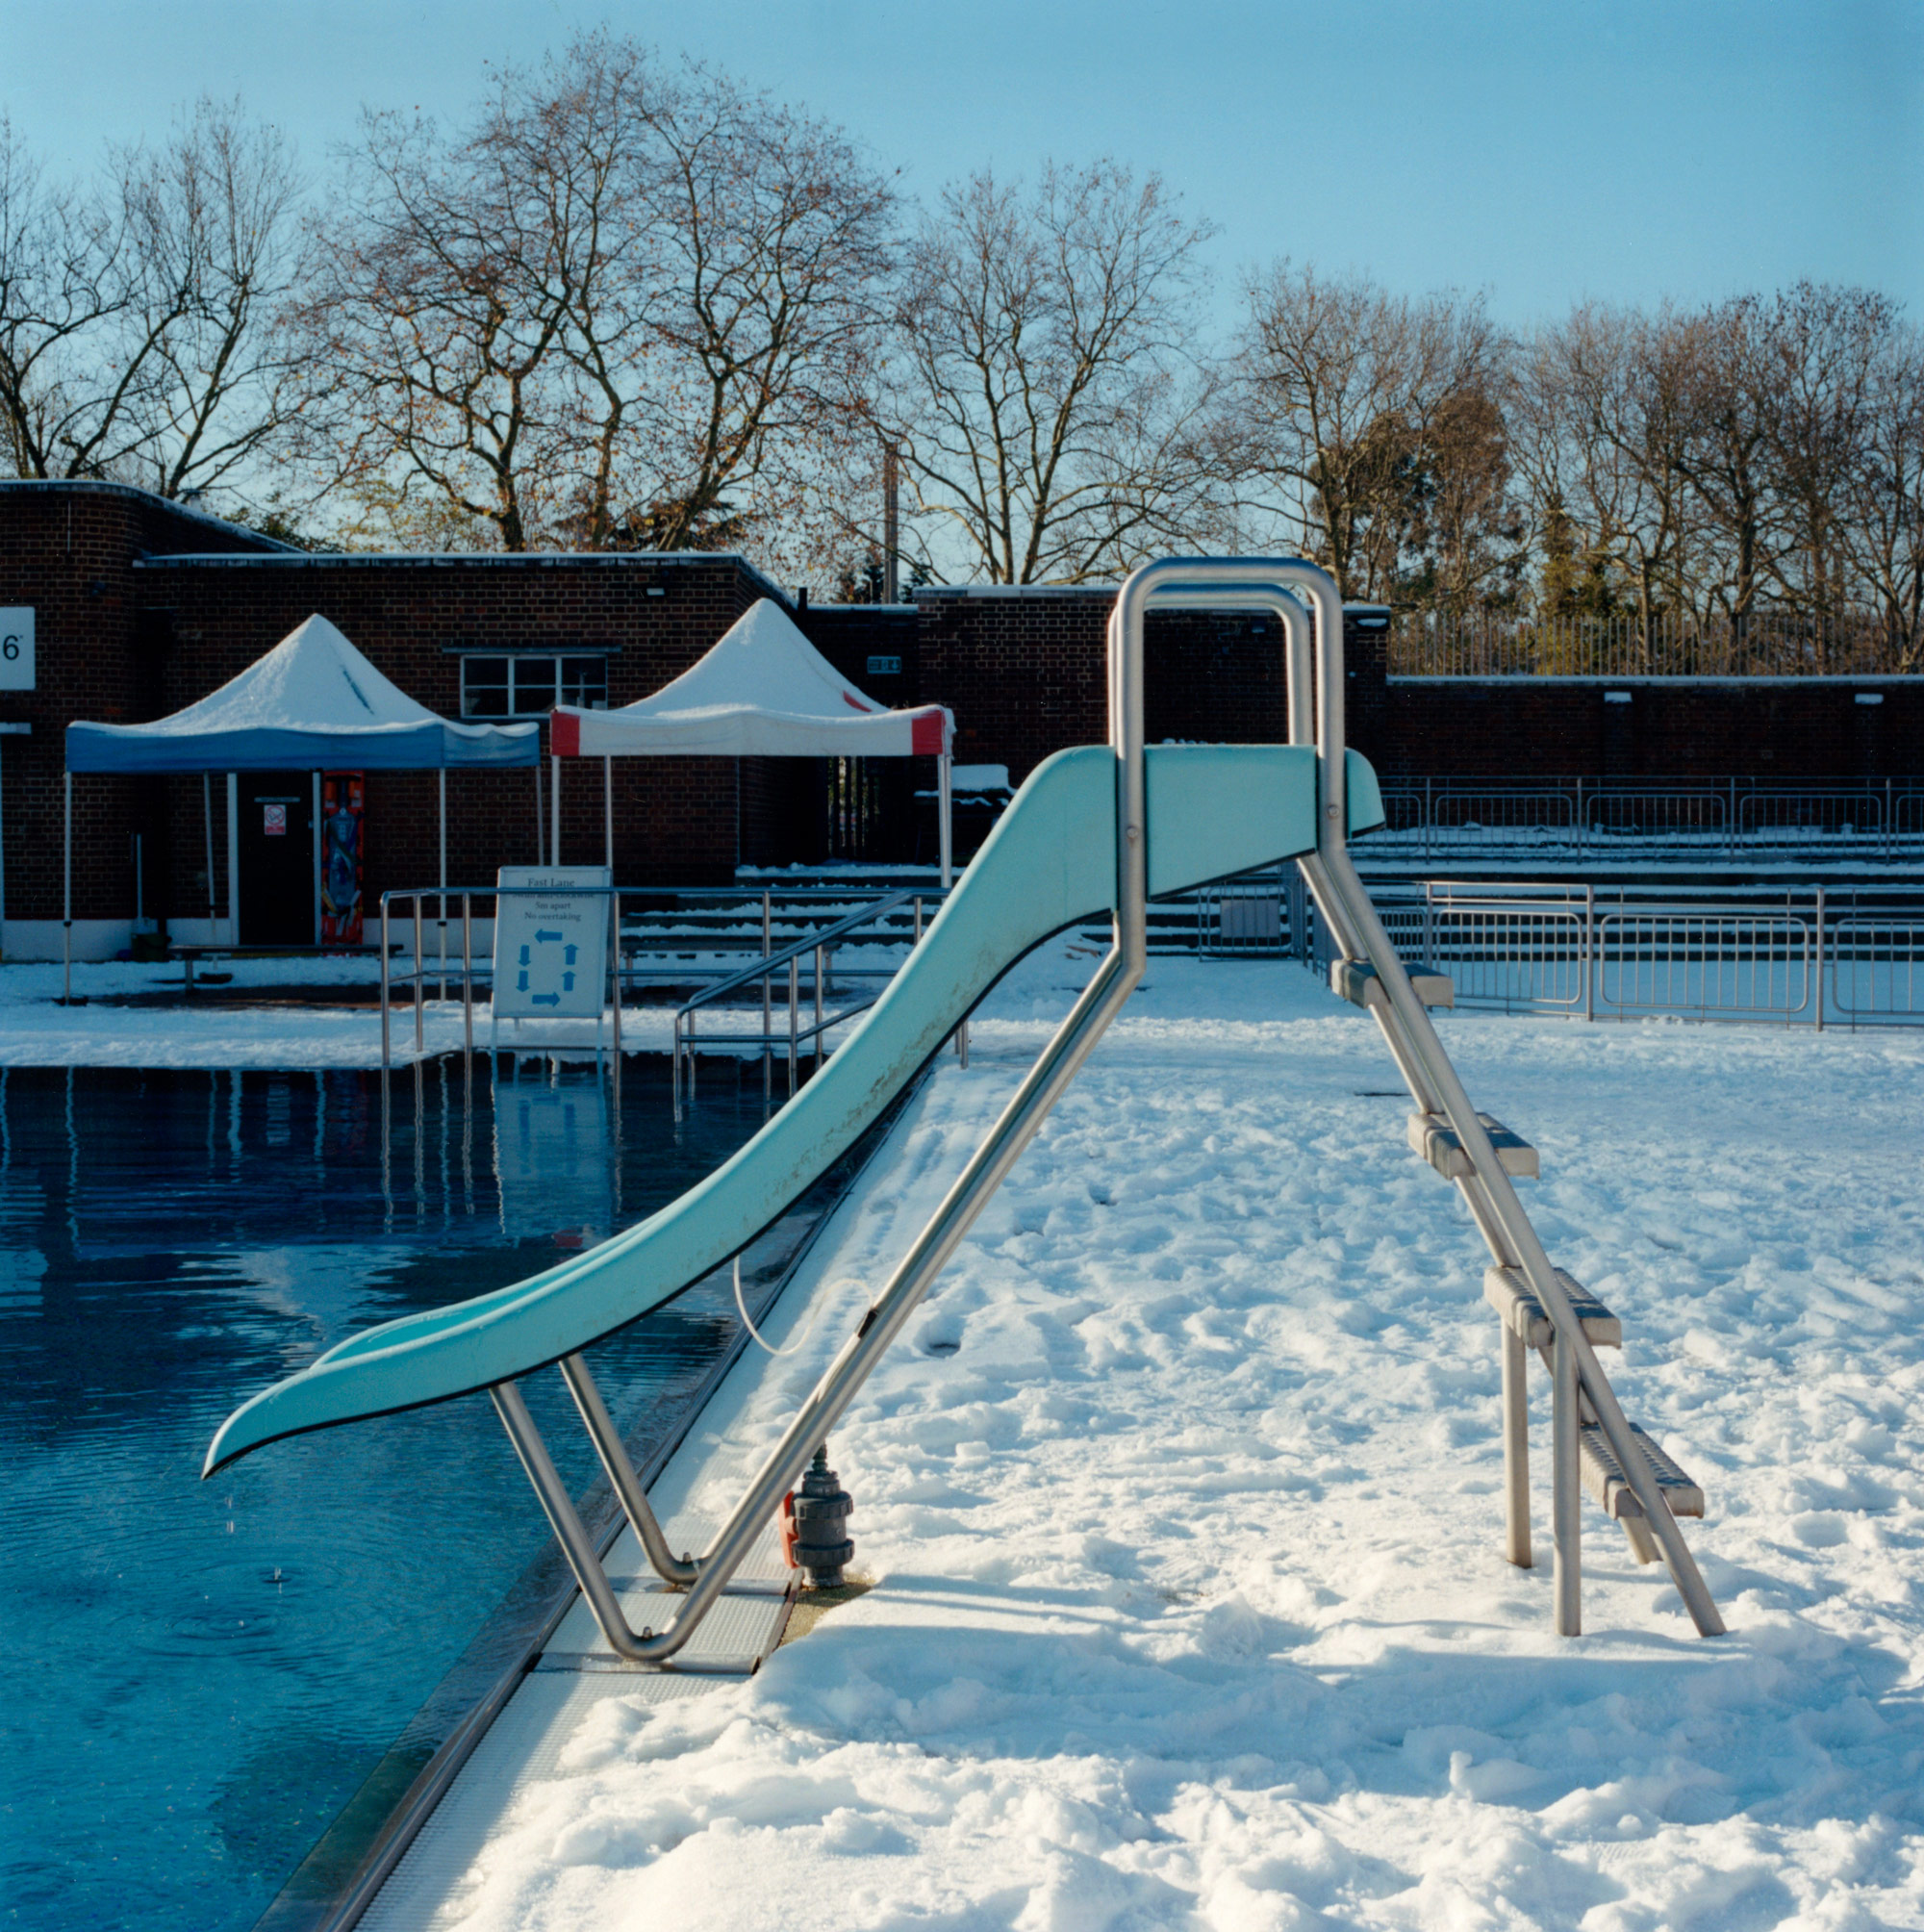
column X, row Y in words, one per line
column 197, row 1676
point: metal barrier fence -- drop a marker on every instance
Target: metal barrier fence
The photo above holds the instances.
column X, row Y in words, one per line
column 1761, row 644
column 1433, row 819
column 1812, row 955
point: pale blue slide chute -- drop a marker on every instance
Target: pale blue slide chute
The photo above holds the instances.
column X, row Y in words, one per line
column 1213, row 811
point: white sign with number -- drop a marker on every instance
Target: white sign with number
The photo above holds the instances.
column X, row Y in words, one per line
column 551, row 943
column 16, row 647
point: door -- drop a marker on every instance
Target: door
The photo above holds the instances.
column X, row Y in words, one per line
column 276, row 858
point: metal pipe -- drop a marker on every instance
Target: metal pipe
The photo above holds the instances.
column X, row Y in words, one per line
column 1820, row 959
column 816, row 1035
column 1566, row 1522
column 615, row 968
column 944, row 811
column 793, row 996
column 554, row 811
column 1338, row 874
column 1045, row 1082
column 440, row 898
column 420, row 979
column 468, row 974
column 66, row 897
column 608, row 817
column 1107, row 991
column 565, row 1520
column 1516, row 1450
column 386, row 987
column 621, row 1472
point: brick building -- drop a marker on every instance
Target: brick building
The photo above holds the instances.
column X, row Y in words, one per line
column 139, row 606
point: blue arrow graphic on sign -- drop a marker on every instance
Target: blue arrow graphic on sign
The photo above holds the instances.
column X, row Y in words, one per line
column 568, row 953
column 567, row 983
column 524, row 956
column 544, row 938
column 545, row 1000
column 522, row 984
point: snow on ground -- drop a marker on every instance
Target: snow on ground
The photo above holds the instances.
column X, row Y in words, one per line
column 1182, row 1497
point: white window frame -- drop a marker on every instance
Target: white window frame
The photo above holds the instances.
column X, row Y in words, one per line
column 515, row 659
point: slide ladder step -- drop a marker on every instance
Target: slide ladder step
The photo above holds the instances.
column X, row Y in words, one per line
column 1355, row 979
column 1604, row 1476
column 1432, row 1136
column 1507, row 1291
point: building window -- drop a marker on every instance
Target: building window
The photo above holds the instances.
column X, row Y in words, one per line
column 528, row 687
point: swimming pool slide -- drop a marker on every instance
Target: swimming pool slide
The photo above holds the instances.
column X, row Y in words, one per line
column 1214, row 810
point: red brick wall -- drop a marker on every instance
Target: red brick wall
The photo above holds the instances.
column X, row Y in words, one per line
column 674, row 818
column 66, row 550
column 141, row 608
column 1529, row 727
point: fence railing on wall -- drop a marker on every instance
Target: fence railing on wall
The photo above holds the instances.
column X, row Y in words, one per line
column 1761, row 644
column 1438, row 820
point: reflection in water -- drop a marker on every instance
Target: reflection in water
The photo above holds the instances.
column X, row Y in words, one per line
column 199, row 1675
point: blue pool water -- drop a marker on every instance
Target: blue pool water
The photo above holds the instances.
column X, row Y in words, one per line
column 197, row 1676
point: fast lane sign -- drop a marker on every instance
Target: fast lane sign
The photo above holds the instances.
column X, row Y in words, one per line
column 551, row 943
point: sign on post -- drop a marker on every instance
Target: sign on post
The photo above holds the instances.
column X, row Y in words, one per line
column 16, row 647
column 551, row 943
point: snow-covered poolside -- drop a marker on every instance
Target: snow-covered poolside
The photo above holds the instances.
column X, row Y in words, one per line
column 1182, row 1499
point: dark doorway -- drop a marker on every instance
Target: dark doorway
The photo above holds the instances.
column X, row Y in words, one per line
column 276, row 858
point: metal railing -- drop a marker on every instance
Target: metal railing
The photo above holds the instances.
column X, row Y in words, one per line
column 1812, row 955
column 425, row 914
column 1761, row 644
column 1432, row 819
column 817, row 948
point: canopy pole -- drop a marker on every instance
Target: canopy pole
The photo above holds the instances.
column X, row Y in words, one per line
column 608, row 817
column 315, row 821
column 66, row 899
column 234, row 858
column 554, row 811
column 441, row 905
column 944, row 812
column 541, row 851
column 207, row 820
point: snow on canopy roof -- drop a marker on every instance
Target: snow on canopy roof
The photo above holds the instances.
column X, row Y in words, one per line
column 313, row 700
column 762, row 691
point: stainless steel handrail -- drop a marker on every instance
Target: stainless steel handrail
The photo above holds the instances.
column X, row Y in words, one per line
column 1229, row 585
column 1578, row 1381
column 1491, row 1195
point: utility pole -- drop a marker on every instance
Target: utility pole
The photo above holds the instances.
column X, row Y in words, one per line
column 891, row 526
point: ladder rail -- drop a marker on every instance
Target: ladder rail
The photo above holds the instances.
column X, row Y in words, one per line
column 1354, row 923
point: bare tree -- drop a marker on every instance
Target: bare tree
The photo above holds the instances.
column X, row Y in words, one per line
column 139, row 330
column 1604, row 413
column 1821, row 350
column 1046, row 389
column 1341, row 392
column 1884, row 510
column 619, row 310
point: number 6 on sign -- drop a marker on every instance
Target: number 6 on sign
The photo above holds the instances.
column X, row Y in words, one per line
column 16, row 647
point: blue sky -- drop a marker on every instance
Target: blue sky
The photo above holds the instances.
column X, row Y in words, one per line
column 1544, row 153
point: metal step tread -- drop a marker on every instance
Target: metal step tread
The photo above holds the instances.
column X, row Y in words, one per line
column 1604, row 1476
column 1431, row 1135
column 1507, row 1291
column 1355, row 979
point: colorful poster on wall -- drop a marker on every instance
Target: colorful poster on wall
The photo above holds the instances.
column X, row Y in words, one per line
column 343, row 855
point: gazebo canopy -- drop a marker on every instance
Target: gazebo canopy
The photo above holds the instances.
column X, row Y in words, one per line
column 762, row 692
column 313, row 701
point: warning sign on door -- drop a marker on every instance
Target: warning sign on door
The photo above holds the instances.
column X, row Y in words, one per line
column 551, row 943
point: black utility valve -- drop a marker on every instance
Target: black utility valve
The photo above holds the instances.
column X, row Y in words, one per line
column 818, row 1510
